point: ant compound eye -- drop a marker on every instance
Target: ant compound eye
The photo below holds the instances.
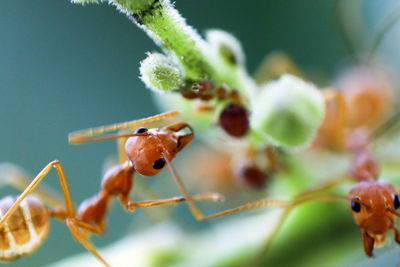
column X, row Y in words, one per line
column 396, row 201
column 141, row 130
column 159, row 164
column 355, row 205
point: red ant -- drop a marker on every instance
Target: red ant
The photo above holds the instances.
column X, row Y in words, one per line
column 24, row 220
column 373, row 203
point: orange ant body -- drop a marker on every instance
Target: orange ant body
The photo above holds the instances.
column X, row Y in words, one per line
column 25, row 220
column 148, row 152
column 373, row 203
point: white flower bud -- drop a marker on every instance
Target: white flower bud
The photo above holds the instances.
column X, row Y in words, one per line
column 159, row 73
column 288, row 112
column 227, row 46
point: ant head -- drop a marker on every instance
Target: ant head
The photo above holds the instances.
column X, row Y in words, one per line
column 147, row 151
column 373, row 205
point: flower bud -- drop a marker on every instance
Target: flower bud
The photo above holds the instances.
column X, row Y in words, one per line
column 227, row 46
column 159, row 73
column 288, row 112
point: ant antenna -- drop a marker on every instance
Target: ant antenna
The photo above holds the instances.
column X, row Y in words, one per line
column 338, row 22
column 390, row 123
column 94, row 134
column 388, row 25
column 77, row 140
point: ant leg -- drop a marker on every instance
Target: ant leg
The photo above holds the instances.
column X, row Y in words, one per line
column 68, row 202
column 68, row 213
column 174, row 200
column 333, row 131
column 331, row 183
column 263, row 202
column 301, row 198
column 274, row 162
column 96, row 134
column 193, row 208
column 396, row 233
column 78, row 234
column 278, row 203
column 15, row 176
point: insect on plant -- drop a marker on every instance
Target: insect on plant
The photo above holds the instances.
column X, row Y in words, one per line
column 373, row 202
column 355, row 118
column 24, row 220
column 147, row 152
column 209, row 77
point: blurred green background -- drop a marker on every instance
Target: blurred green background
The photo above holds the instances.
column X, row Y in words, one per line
column 65, row 67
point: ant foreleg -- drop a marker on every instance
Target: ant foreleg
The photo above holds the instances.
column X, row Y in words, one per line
column 174, row 200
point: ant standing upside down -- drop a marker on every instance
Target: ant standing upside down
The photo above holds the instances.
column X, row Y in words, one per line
column 24, row 220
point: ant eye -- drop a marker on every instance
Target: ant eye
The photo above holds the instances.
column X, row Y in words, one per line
column 396, row 201
column 159, row 164
column 355, row 206
column 141, row 130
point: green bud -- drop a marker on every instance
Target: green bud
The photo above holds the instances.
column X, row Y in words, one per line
column 288, row 112
column 227, row 46
column 159, row 73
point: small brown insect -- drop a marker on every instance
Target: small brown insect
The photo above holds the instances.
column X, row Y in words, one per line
column 203, row 90
column 234, row 119
column 252, row 176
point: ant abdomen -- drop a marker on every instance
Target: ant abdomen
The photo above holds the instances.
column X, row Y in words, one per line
column 25, row 230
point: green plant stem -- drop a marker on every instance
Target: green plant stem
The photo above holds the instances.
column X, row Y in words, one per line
column 169, row 30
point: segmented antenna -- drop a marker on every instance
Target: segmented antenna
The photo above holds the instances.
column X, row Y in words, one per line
column 388, row 25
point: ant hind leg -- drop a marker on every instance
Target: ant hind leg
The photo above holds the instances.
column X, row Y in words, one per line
column 76, row 230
